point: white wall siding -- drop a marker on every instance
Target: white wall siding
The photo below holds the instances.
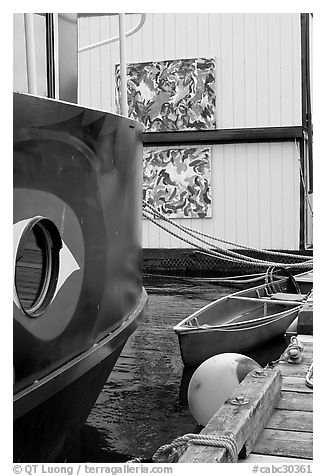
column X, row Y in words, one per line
column 258, row 60
column 255, row 187
column 255, row 199
column 19, row 54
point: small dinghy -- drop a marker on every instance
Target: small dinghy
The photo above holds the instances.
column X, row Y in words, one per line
column 243, row 320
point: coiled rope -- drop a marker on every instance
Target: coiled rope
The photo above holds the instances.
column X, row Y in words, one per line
column 172, row 452
column 227, row 255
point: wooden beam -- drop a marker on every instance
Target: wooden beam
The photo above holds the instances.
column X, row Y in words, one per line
column 225, row 136
column 306, row 92
column 261, row 393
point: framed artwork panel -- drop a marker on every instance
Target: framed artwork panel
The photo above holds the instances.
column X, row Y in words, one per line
column 171, row 95
column 177, row 182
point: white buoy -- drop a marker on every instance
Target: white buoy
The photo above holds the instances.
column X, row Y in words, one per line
column 214, row 381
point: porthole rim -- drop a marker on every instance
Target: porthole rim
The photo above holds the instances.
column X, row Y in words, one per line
column 52, row 237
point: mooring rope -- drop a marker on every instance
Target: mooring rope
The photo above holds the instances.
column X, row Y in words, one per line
column 192, row 234
column 186, row 229
column 226, row 255
column 198, row 247
column 243, row 279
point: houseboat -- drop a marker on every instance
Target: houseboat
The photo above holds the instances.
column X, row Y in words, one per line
column 78, row 292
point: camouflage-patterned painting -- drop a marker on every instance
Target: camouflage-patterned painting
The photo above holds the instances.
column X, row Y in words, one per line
column 177, row 181
column 171, row 95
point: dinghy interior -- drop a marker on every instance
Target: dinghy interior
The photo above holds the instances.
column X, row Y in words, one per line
column 245, row 319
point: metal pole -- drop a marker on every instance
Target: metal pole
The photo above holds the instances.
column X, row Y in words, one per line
column 114, row 38
column 123, row 73
column 50, row 64
column 30, row 53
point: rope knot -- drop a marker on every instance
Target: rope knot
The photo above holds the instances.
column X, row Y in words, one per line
column 292, row 353
column 172, row 452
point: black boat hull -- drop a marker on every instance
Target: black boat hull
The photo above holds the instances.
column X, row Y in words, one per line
column 41, row 437
column 78, row 291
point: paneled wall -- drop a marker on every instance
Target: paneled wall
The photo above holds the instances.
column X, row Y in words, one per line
column 257, row 60
column 255, row 199
column 255, row 187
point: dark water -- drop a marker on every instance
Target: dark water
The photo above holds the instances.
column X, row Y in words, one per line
column 144, row 403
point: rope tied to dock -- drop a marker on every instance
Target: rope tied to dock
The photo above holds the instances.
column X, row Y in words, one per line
column 172, row 452
column 292, row 353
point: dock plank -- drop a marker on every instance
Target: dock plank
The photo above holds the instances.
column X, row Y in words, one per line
column 308, row 344
column 285, row 443
column 295, row 401
column 295, row 384
column 295, row 370
column 294, row 420
column 262, row 459
column 305, row 338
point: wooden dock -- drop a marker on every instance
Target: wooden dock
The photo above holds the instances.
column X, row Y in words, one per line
column 276, row 426
column 289, row 431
